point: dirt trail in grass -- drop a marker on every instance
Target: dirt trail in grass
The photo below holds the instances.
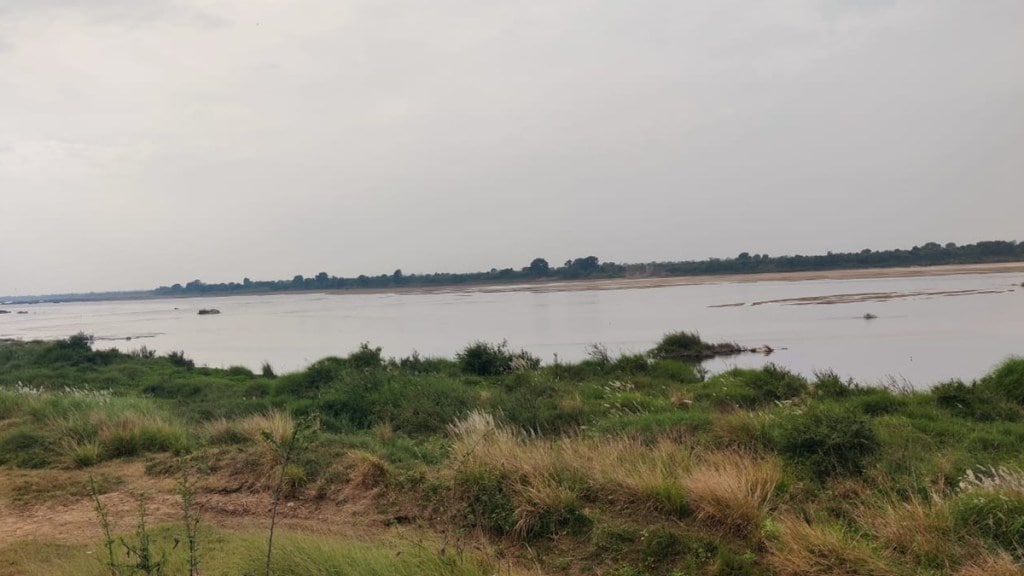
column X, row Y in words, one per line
column 55, row 506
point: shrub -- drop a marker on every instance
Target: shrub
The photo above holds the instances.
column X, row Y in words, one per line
column 879, row 402
column 179, row 360
column 267, row 371
column 241, row 371
column 25, row 447
column 487, row 497
column 828, row 441
column 366, row 357
column 632, row 364
column 828, row 384
column 748, row 388
column 485, row 359
column 679, row 345
column 774, row 383
column 1007, row 380
column 974, row 401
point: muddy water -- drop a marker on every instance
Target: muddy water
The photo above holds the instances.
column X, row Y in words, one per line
column 926, row 330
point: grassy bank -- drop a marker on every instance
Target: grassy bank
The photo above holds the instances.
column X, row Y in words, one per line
column 491, row 463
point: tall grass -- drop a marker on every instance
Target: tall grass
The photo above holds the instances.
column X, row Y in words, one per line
column 733, row 491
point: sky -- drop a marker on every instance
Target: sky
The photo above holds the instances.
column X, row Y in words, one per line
column 149, row 142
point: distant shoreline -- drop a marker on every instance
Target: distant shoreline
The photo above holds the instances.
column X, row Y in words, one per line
column 634, row 283
column 666, row 281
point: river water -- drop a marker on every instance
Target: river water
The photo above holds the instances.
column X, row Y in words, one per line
column 926, row 330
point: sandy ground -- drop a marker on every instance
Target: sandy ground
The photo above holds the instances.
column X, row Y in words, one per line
column 634, row 283
column 72, row 519
column 646, row 282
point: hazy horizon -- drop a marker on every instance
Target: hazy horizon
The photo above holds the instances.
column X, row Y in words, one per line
column 153, row 142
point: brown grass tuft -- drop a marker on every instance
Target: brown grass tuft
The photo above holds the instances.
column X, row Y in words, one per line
column 803, row 549
column 992, row 564
column 733, row 491
column 917, row 530
column 368, row 471
column 625, row 472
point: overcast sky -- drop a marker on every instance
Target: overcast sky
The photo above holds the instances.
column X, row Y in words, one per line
column 148, row 142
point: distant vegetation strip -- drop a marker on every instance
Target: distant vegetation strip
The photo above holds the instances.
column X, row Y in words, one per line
column 591, row 267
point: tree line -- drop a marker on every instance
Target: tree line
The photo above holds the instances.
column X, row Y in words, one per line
column 590, row 267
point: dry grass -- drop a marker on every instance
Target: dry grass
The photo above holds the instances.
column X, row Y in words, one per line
column 623, row 471
column 367, row 470
column 265, row 433
column 919, row 531
column 278, row 425
column 992, row 564
column 733, row 491
column 805, row 549
column 1002, row 479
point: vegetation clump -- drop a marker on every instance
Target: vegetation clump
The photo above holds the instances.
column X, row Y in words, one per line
column 690, row 346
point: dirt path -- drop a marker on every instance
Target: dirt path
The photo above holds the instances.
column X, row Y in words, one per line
column 66, row 513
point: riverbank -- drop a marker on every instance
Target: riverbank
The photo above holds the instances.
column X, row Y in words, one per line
column 661, row 282
column 488, row 463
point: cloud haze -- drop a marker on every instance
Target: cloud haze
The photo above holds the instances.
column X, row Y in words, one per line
column 147, row 142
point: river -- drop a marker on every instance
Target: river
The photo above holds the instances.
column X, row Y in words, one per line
column 926, row 329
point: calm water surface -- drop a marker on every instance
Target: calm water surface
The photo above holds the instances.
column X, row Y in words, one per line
column 921, row 340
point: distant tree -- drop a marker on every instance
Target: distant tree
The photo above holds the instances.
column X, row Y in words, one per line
column 540, row 267
column 587, row 265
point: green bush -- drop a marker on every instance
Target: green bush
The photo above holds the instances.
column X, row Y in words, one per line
column 366, row 357
column 1007, row 381
column 828, row 441
column 679, row 345
column 879, row 402
column 632, row 364
column 485, row 359
column 239, row 371
column 179, row 360
column 747, row 388
column 26, row 448
column 973, row 402
column 828, row 384
column 486, row 496
column 994, row 517
column 774, row 383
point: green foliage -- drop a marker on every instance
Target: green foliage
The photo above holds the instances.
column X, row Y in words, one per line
column 238, row 371
column 976, row 402
column 632, row 364
column 486, row 359
column 1007, row 381
column 25, row 447
column 267, row 371
column 828, row 384
column 828, row 440
column 179, row 360
column 365, row 358
column 992, row 516
column 748, row 388
column 680, row 345
column 487, row 498
column 878, row 402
